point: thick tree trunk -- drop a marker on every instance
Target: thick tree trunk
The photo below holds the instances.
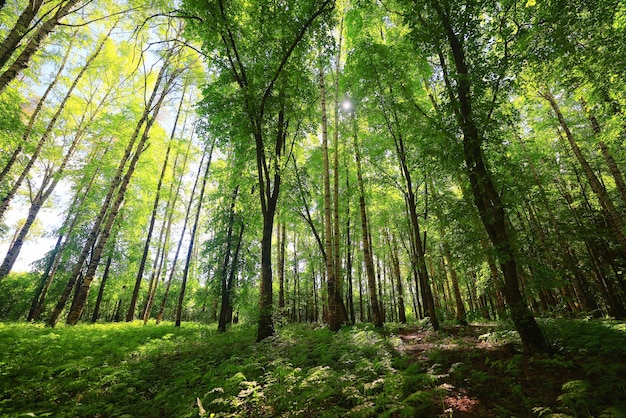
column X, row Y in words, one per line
column 282, row 239
column 18, row 31
column 487, row 199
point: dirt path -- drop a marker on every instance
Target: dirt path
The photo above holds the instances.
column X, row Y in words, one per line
column 477, row 377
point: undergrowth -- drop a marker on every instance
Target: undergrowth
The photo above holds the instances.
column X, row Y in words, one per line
column 132, row 370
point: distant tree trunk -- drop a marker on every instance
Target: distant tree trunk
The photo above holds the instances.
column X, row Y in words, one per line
column 194, row 229
column 610, row 161
column 226, row 278
column 458, row 300
column 103, row 281
column 130, row 316
column 367, row 254
column 180, row 241
column 613, row 217
column 23, row 60
column 161, row 258
column 397, row 275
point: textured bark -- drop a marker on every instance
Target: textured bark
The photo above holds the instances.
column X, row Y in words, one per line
column 23, row 60
column 488, row 201
column 18, row 31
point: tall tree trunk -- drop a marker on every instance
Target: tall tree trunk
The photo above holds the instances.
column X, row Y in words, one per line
column 130, row 316
column 367, row 253
column 334, row 315
column 180, row 241
column 613, row 217
column 194, row 229
column 486, row 198
column 226, row 284
column 66, row 230
column 107, row 205
column 282, row 239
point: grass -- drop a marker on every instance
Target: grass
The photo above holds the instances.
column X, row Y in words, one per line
column 128, row 369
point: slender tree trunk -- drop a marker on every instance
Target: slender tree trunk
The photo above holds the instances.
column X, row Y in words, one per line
column 181, row 296
column 55, row 255
column 180, row 241
column 395, row 260
column 33, row 117
column 614, row 219
column 334, row 316
column 161, row 259
column 367, row 254
column 105, row 278
column 106, row 206
column 225, row 290
column 130, row 316
column 282, row 238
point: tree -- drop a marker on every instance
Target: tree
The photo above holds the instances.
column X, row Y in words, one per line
column 260, row 56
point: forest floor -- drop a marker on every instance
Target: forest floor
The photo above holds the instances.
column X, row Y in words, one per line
column 305, row 370
column 483, row 376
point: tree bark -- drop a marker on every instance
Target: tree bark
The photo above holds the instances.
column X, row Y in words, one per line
column 486, row 198
column 23, row 60
column 367, row 253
